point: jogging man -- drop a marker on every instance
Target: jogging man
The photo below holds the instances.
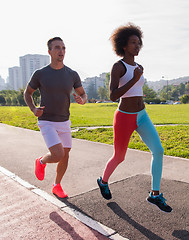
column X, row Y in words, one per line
column 55, row 83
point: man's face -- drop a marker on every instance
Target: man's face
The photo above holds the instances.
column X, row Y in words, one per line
column 57, row 51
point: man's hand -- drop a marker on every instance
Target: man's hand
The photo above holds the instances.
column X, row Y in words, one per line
column 38, row 111
column 78, row 99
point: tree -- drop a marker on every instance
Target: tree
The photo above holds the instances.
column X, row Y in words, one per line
column 92, row 92
column 15, row 101
column 185, row 99
column 181, row 88
column 107, row 83
column 149, row 94
column 36, row 97
column 2, row 100
column 165, row 93
column 174, row 94
column 8, row 101
column 102, row 93
column 187, row 88
column 20, row 98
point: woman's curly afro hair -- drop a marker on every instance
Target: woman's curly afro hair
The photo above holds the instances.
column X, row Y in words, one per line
column 121, row 35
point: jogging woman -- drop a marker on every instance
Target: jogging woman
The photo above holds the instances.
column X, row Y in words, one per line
column 126, row 83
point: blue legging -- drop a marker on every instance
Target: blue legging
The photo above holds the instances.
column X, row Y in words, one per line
column 124, row 125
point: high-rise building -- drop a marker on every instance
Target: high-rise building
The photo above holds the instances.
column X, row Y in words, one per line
column 2, row 83
column 96, row 82
column 29, row 63
column 15, row 78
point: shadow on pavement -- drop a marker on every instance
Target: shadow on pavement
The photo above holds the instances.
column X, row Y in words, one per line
column 129, row 214
column 119, row 211
column 55, row 217
column 181, row 234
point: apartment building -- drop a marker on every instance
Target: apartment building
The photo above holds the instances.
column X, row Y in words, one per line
column 19, row 76
column 29, row 63
column 15, row 78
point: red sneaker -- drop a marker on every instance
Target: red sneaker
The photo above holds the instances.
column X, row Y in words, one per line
column 58, row 191
column 39, row 169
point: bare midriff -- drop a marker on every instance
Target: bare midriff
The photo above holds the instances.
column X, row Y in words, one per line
column 131, row 104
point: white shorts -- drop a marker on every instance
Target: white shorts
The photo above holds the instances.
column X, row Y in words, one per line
column 56, row 132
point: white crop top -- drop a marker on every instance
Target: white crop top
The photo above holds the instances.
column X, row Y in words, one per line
column 136, row 89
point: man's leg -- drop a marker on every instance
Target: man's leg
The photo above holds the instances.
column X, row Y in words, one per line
column 60, row 155
column 55, row 154
column 62, row 166
column 60, row 171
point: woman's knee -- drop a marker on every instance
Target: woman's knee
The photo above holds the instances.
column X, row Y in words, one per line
column 119, row 157
column 159, row 150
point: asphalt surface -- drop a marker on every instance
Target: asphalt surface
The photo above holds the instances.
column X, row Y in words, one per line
column 30, row 211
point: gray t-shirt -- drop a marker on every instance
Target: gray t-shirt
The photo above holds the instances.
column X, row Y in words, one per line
column 55, row 87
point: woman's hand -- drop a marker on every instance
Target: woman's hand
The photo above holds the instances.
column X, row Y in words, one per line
column 137, row 73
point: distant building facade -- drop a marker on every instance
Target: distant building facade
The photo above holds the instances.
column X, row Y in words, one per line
column 19, row 76
column 94, row 82
column 29, row 63
column 15, row 78
column 2, row 83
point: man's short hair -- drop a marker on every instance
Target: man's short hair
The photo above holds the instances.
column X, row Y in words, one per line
column 51, row 40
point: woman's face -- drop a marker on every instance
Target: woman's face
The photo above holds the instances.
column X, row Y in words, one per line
column 133, row 46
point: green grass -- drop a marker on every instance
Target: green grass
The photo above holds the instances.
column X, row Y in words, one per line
column 92, row 114
column 96, row 115
column 102, row 114
column 18, row 117
column 175, row 139
column 169, row 114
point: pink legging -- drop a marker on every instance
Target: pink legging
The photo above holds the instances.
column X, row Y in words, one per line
column 124, row 125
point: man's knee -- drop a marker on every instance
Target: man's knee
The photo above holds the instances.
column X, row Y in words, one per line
column 57, row 157
column 57, row 153
column 62, row 155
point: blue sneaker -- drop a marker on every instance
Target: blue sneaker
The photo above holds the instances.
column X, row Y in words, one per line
column 105, row 191
column 159, row 201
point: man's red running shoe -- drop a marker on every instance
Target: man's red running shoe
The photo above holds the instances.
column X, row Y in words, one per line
column 39, row 169
column 58, row 191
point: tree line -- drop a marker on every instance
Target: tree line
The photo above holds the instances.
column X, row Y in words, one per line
column 167, row 93
column 16, row 98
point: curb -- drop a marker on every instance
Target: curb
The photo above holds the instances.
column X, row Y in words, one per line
column 106, row 231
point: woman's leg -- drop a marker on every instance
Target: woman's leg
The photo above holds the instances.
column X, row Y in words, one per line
column 124, row 125
column 150, row 137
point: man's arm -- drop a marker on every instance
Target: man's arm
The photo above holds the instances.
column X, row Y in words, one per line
column 29, row 101
column 81, row 97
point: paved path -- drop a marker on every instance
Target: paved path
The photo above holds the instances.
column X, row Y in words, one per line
column 19, row 148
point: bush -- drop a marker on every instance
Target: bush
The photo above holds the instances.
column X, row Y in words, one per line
column 184, row 99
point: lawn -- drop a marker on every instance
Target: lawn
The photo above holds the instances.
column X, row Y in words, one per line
column 96, row 115
column 102, row 114
column 174, row 139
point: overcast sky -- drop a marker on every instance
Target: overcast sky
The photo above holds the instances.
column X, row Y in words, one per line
column 86, row 26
